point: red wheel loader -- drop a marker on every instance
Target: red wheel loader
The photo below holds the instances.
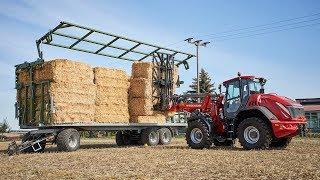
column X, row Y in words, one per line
column 244, row 111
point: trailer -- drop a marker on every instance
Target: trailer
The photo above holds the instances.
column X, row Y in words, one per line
column 67, row 136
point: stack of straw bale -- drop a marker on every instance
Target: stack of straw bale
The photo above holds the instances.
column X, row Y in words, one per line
column 71, row 88
column 140, row 94
column 83, row 94
column 111, row 95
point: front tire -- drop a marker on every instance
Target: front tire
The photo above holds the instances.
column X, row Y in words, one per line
column 254, row 133
column 198, row 135
column 281, row 143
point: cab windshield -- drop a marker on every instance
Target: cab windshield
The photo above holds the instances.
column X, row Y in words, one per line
column 254, row 85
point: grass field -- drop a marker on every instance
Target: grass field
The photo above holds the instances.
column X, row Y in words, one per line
column 102, row 159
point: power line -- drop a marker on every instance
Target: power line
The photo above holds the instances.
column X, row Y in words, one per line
column 266, row 28
column 269, row 32
column 258, row 28
column 262, row 25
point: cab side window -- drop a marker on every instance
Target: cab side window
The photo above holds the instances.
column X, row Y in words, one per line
column 233, row 98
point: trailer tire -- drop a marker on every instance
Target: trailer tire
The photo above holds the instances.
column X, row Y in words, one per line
column 165, row 136
column 150, row 136
column 68, row 140
column 122, row 139
column 198, row 135
column 281, row 143
column 254, row 133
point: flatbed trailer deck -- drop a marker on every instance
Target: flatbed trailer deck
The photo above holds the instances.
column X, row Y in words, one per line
column 113, row 126
column 67, row 136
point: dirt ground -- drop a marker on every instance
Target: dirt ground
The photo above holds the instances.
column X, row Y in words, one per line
column 102, row 159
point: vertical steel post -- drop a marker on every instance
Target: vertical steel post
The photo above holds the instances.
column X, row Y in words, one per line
column 198, row 83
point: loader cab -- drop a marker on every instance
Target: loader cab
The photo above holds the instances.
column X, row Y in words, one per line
column 238, row 91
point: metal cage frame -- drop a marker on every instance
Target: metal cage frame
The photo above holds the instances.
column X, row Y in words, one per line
column 49, row 37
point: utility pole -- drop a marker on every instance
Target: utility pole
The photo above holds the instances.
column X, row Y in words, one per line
column 197, row 43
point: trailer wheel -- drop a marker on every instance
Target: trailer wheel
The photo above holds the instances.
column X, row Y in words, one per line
column 165, row 136
column 68, row 140
column 122, row 139
column 198, row 135
column 150, row 136
column 254, row 133
column 281, row 143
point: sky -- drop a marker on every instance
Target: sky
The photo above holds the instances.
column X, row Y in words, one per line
column 289, row 59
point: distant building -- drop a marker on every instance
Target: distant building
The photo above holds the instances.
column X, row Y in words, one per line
column 312, row 112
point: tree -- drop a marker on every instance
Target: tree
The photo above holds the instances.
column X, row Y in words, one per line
column 206, row 86
column 4, row 126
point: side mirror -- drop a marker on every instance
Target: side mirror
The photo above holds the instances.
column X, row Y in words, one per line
column 219, row 88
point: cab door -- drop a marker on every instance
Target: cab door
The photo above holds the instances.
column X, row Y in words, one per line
column 237, row 95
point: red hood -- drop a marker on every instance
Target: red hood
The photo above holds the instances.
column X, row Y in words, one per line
column 280, row 99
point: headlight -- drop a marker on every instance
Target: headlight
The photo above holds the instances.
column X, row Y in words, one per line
column 284, row 109
column 295, row 111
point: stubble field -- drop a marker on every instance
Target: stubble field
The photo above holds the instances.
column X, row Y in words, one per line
column 102, row 159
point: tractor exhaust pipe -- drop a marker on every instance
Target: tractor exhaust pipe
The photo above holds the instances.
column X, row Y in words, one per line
column 262, row 82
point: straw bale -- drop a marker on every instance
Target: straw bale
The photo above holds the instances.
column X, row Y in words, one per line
column 111, row 78
column 106, row 91
column 59, row 70
column 156, row 117
column 62, row 117
column 64, row 87
column 75, row 108
column 114, row 110
column 112, row 101
column 73, row 98
column 142, row 70
column 100, row 72
column 112, row 82
column 111, row 118
column 140, row 87
column 140, row 106
column 80, row 94
column 23, row 76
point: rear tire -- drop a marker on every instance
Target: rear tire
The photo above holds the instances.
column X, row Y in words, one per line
column 198, row 135
column 165, row 136
column 254, row 133
column 150, row 136
column 281, row 143
column 68, row 140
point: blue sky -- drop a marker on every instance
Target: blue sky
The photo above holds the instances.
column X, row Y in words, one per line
column 288, row 59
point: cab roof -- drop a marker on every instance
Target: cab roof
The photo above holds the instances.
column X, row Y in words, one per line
column 236, row 78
